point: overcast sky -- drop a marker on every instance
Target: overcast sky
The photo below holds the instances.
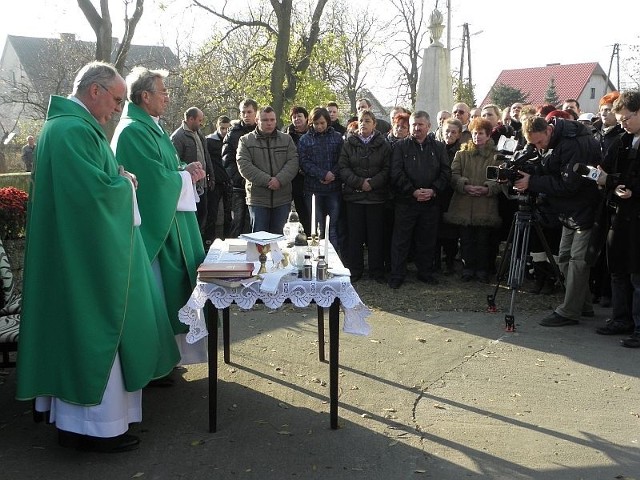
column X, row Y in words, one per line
column 504, row 35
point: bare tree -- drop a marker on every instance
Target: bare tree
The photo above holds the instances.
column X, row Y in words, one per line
column 103, row 28
column 222, row 72
column 355, row 41
column 277, row 21
column 409, row 23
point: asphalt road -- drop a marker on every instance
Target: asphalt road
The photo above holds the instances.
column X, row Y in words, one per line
column 446, row 395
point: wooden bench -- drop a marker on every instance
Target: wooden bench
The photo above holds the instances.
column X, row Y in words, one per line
column 10, row 303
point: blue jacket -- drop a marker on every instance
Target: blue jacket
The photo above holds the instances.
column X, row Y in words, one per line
column 318, row 153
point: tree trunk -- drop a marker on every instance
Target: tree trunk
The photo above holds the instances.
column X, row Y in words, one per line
column 278, row 73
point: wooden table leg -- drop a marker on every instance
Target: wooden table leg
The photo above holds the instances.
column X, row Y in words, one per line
column 334, row 349
column 211, row 316
column 321, row 333
column 225, row 334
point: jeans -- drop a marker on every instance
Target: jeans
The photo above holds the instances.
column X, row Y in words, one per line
column 572, row 264
column 266, row 219
column 326, row 204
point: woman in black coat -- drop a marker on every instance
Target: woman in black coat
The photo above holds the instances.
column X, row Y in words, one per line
column 364, row 169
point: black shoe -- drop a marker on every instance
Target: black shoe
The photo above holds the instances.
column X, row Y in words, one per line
column 466, row 277
column 380, row 279
column 163, row 382
column 632, row 342
column 590, row 314
column 395, row 283
column 605, row 302
column 616, row 328
column 555, row 320
column 87, row 443
column 428, row 279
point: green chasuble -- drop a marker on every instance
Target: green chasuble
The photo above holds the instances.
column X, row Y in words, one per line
column 89, row 290
column 171, row 237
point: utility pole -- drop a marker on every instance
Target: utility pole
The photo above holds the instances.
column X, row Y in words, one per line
column 616, row 54
column 466, row 33
column 464, row 41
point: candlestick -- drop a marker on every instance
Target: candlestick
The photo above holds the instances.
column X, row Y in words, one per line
column 326, row 240
column 313, row 214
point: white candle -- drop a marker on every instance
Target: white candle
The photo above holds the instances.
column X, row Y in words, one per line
column 326, row 240
column 313, row 214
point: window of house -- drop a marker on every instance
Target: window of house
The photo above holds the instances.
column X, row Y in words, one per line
column 593, row 93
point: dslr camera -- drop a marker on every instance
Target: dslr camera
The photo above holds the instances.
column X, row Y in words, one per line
column 526, row 160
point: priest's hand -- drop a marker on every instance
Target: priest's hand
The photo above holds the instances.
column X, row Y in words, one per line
column 123, row 173
column 196, row 171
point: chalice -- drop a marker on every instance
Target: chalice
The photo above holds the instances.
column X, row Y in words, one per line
column 263, row 250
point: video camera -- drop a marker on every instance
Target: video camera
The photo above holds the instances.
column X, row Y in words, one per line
column 526, row 160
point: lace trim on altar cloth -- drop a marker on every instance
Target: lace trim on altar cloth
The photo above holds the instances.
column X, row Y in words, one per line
column 300, row 293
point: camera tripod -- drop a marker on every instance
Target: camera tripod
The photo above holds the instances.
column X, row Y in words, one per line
column 518, row 246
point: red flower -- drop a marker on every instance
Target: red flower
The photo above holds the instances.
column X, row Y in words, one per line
column 13, row 212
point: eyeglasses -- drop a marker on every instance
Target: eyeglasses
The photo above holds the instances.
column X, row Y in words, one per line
column 627, row 118
column 118, row 100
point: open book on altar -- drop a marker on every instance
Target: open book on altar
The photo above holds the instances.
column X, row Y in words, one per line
column 226, row 270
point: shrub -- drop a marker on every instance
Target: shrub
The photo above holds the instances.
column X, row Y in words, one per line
column 13, row 212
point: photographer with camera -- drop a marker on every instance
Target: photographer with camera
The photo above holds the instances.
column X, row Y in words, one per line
column 573, row 197
column 620, row 177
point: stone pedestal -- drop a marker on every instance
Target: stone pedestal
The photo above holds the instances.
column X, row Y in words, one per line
column 434, row 85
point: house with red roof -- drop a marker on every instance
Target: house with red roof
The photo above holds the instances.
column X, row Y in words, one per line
column 586, row 82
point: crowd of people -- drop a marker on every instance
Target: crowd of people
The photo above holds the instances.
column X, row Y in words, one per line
column 429, row 189
column 402, row 191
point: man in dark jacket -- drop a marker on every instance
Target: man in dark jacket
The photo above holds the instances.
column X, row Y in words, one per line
column 239, row 212
column 573, row 197
column 191, row 147
column 296, row 129
column 332, row 108
column 219, row 200
column 623, row 193
column 420, row 171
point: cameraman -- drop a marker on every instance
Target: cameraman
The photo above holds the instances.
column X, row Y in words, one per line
column 622, row 186
column 572, row 197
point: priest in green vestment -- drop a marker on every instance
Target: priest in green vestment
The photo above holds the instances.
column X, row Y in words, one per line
column 166, row 197
column 92, row 315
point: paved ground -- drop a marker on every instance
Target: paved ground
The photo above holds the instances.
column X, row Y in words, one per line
column 443, row 396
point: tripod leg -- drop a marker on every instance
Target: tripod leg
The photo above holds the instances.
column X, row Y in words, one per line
column 491, row 299
column 518, row 265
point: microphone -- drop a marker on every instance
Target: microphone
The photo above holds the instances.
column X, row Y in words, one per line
column 592, row 173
